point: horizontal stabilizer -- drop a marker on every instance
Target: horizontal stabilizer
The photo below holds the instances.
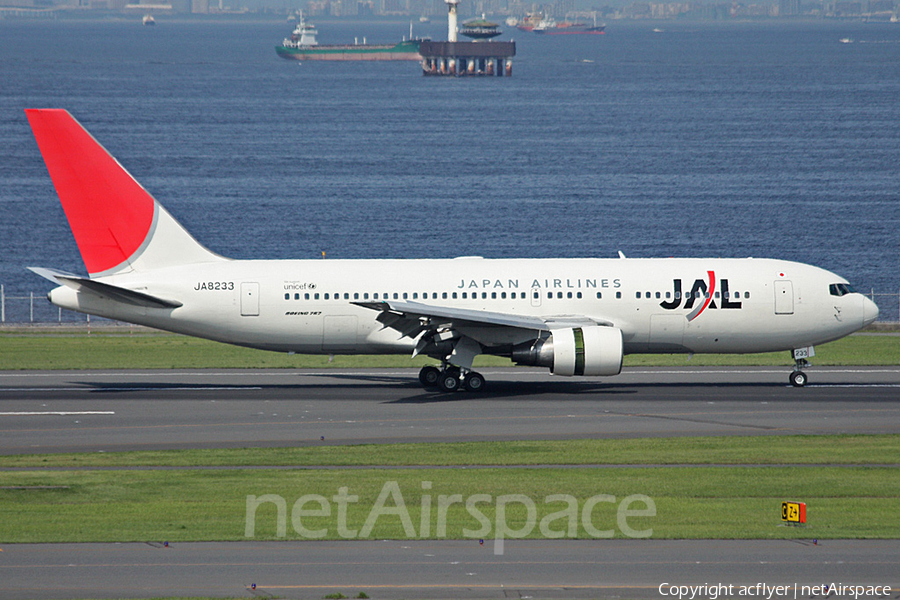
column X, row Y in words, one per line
column 112, row 292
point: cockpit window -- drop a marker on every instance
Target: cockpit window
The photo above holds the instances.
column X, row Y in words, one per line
column 841, row 289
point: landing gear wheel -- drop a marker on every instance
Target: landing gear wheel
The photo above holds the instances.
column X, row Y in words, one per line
column 449, row 381
column 798, row 379
column 429, row 376
column 474, row 382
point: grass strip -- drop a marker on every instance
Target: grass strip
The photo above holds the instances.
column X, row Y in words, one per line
column 692, row 503
column 756, row 450
column 113, row 350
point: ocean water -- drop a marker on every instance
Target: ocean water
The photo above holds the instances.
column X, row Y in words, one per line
column 720, row 139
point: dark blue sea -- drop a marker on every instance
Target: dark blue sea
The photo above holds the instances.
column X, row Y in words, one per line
column 721, row 139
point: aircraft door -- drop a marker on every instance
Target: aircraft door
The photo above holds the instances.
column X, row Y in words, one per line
column 784, row 298
column 535, row 296
column 249, row 299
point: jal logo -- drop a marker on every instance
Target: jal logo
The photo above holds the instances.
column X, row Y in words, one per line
column 701, row 296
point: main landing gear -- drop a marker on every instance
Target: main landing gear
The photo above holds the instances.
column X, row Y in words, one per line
column 451, row 379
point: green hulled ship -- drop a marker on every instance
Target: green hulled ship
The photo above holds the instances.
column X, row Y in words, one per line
column 302, row 45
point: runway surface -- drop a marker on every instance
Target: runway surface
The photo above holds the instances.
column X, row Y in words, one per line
column 128, row 410
column 447, row 569
column 89, row 411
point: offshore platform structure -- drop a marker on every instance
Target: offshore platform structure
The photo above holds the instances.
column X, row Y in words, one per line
column 457, row 58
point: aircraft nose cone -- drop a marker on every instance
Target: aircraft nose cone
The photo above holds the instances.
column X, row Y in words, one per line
column 870, row 312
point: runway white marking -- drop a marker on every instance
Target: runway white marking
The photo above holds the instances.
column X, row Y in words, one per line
column 60, row 413
column 712, row 370
column 855, row 385
column 130, row 389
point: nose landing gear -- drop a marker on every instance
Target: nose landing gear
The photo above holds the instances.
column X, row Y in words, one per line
column 798, row 378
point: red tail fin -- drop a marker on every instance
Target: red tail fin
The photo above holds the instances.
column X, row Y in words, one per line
column 109, row 212
column 117, row 224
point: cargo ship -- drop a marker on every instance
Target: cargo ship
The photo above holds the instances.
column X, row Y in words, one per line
column 302, row 45
column 538, row 23
column 568, row 28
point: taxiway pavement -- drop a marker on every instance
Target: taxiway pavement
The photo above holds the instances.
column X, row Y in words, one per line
column 448, row 569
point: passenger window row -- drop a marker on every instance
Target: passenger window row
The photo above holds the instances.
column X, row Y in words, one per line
column 357, row 296
column 435, row 296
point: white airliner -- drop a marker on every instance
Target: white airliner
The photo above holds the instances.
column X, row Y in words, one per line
column 574, row 316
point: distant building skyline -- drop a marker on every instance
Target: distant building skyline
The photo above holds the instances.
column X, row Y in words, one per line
column 435, row 9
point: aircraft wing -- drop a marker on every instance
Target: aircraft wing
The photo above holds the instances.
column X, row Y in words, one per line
column 467, row 327
column 395, row 312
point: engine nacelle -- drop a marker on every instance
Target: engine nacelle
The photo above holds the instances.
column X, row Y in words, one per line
column 591, row 350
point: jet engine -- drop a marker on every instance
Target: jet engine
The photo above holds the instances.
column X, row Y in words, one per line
column 591, row 350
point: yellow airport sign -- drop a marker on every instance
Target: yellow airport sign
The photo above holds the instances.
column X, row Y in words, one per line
column 793, row 512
